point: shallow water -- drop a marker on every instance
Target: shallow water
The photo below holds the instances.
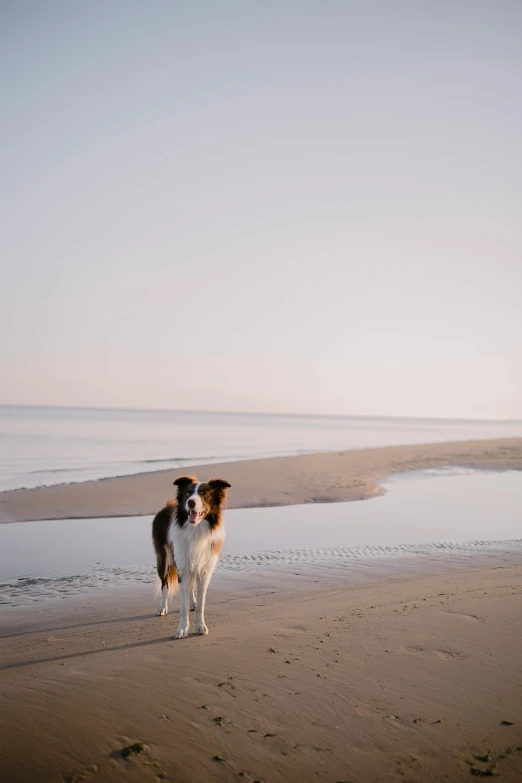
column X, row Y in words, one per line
column 425, row 513
column 42, row 446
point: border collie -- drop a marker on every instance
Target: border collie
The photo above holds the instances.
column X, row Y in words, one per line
column 188, row 536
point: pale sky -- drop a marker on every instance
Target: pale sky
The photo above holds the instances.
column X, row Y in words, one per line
column 297, row 206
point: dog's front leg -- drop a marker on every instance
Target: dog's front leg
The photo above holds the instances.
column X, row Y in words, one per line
column 201, row 593
column 193, row 593
column 185, row 595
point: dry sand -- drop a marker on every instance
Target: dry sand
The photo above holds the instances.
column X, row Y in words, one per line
column 416, row 679
column 280, row 481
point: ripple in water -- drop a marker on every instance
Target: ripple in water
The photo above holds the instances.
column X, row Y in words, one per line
column 27, row 590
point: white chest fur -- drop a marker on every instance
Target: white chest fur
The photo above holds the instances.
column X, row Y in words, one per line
column 192, row 544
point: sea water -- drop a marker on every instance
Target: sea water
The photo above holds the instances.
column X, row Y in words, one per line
column 427, row 515
column 45, row 445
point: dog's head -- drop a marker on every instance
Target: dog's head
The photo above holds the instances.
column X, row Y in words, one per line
column 200, row 500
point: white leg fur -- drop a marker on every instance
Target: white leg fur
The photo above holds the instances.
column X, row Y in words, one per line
column 193, row 602
column 164, row 605
column 195, row 560
column 184, row 622
column 201, row 590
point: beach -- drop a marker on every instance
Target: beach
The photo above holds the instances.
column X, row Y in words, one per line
column 414, row 679
column 277, row 481
column 355, row 664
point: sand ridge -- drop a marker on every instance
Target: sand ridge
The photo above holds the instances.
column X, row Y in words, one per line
column 275, row 481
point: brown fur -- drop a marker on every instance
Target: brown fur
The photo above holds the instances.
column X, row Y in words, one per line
column 213, row 496
column 165, row 564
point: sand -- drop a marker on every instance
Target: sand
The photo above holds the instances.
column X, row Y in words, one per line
column 413, row 679
column 333, row 476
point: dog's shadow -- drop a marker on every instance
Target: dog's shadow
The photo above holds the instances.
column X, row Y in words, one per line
column 70, row 656
column 84, row 653
column 55, row 628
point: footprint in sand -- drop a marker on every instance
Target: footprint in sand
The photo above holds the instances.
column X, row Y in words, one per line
column 471, row 617
column 446, row 655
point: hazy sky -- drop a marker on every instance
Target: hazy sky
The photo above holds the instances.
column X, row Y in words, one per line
column 309, row 206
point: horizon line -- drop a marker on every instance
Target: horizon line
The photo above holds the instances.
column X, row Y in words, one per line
column 258, row 413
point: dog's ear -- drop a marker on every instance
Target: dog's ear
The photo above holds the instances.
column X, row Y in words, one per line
column 218, row 484
column 184, row 481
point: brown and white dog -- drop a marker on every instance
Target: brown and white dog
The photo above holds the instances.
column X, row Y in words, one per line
column 188, row 536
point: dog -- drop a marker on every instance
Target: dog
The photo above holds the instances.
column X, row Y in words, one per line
column 188, row 535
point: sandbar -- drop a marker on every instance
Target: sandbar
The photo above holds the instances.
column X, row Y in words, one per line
column 275, row 481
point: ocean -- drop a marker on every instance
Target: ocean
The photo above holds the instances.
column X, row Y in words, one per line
column 45, row 445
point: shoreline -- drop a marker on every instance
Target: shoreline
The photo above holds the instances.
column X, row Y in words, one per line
column 22, row 602
column 273, row 481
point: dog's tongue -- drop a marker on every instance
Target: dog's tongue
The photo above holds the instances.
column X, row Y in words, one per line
column 193, row 515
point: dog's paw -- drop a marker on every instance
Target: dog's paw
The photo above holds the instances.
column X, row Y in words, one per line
column 202, row 629
column 181, row 633
column 162, row 611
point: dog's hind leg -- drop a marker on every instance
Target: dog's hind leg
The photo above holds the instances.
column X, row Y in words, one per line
column 168, row 575
column 167, row 572
column 164, row 605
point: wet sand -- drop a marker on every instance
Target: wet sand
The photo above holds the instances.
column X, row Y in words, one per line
column 414, row 679
column 278, row 481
